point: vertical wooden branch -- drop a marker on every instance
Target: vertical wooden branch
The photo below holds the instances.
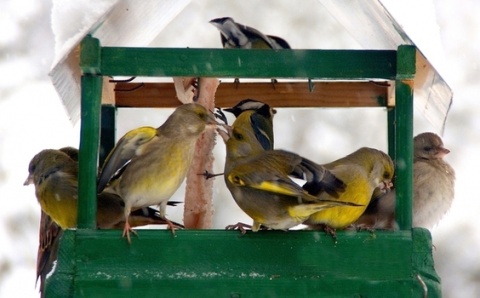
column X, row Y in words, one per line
column 198, row 212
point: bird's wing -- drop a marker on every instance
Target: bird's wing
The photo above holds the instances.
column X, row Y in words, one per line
column 266, row 180
column 278, row 42
column 125, row 149
column 317, row 177
column 263, row 130
column 252, row 33
column 49, row 236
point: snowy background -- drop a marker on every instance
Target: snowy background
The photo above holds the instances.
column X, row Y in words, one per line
column 32, row 117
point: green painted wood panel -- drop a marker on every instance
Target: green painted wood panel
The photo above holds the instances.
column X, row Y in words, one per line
column 254, row 63
column 88, row 152
column 404, row 135
column 199, row 263
column 404, row 154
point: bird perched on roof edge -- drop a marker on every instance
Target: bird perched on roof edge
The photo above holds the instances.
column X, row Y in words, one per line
column 235, row 35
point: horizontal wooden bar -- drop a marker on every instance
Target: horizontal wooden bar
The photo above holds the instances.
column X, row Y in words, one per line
column 252, row 63
column 291, row 94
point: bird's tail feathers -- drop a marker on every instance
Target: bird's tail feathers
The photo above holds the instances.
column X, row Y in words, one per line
column 149, row 216
column 305, row 210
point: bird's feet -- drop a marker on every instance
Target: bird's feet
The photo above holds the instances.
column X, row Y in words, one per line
column 170, row 226
column 332, row 232
column 240, row 226
column 126, row 232
column 360, row 228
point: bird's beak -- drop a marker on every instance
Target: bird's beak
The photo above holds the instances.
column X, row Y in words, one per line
column 226, row 133
column 388, row 184
column 212, row 120
column 442, row 152
column 216, row 22
column 29, row 180
column 385, row 186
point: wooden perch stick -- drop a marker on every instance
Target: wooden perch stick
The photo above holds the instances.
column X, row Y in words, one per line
column 198, row 212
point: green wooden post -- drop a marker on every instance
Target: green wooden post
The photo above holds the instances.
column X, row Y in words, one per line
column 91, row 84
column 107, row 133
column 391, row 132
column 404, row 135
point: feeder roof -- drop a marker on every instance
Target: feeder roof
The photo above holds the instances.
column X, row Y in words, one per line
column 151, row 23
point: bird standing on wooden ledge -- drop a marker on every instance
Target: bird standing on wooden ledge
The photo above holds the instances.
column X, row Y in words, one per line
column 259, row 181
column 433, row 188
column 54, row 174
column 148, row 164
column 362, row 171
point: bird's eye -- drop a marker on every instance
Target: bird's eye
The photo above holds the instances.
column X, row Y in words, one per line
column 386, row 175
column 235, row 180
column 238, row 136
column 427, row 148
column 200, row 114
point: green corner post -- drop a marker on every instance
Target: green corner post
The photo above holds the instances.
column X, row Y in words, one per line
column 91, row 93
column 391, row 132
column 108, row 129
column 404, row 134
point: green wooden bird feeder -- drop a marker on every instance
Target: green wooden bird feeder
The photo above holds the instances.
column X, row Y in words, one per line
column 207, row 263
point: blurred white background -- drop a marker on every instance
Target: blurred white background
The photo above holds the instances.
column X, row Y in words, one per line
column 32, row 117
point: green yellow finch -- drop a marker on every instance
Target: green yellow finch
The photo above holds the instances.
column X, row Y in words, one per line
column 148, row 164
column 55, row 177
column 362, row 171
column 259, row 181
column 54, row 174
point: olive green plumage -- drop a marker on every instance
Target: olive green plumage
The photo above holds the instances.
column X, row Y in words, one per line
column 259, row 180
column 148, row 164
